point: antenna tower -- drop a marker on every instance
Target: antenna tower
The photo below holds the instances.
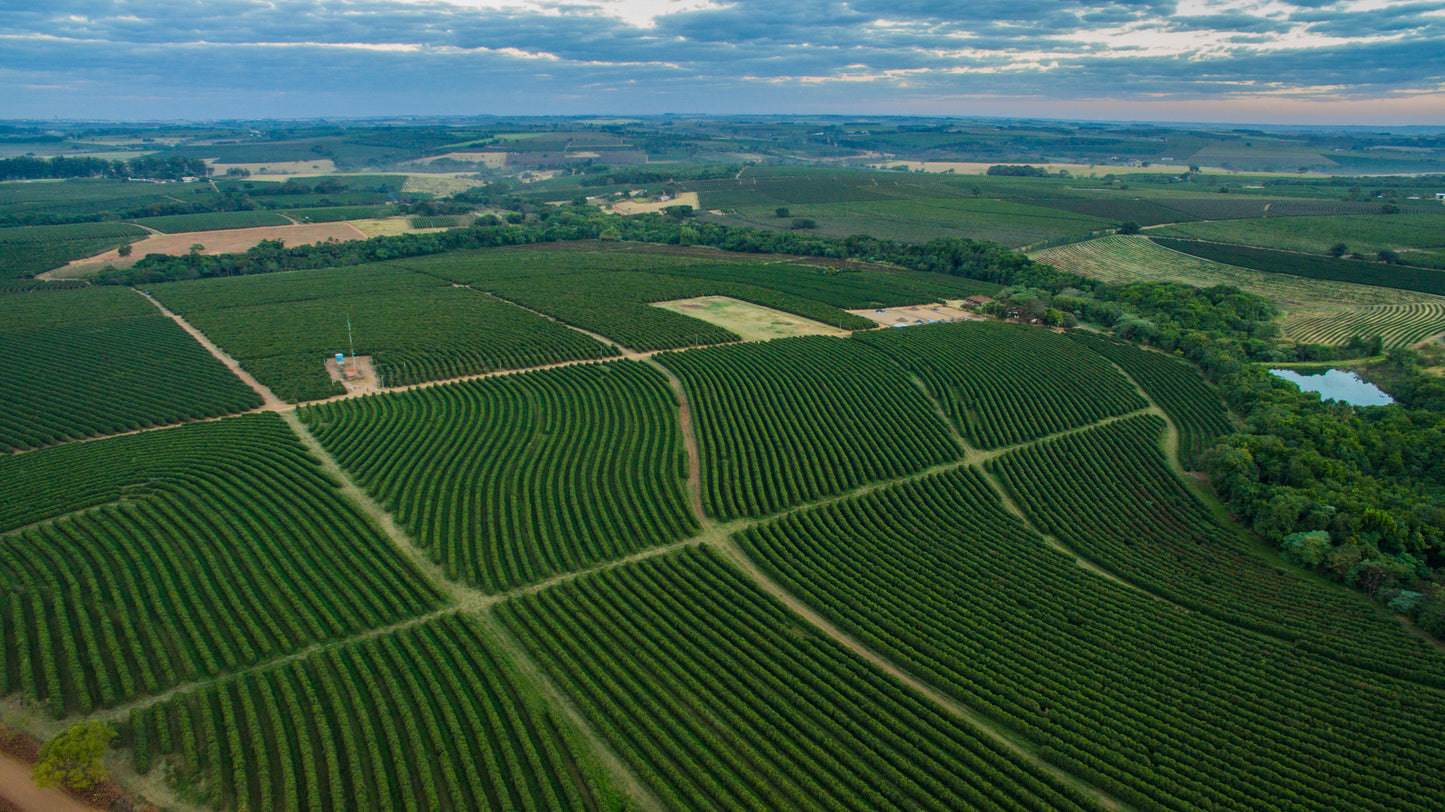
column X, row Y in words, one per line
column 349, row 341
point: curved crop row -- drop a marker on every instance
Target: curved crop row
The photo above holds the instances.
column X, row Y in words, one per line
column 181, row 554
column 1160, row 708
column 1003, row 384
column 791, row 420
column 1399, row 325
column 1178, row 388
column 425, row 718
column 717, row 699
column 507, row 481
column 1108, row 494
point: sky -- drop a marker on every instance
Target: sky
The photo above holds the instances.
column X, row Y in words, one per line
column 1246, row 61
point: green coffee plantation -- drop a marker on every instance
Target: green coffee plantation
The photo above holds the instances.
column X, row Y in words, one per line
column 943, row 567
column 28, row 250
column 1004, row 384
column 80, row 363
column 787, row 422
column 719, row 701
column 1176, row 386
column 1158, row 707
column 417, row 328
column 1109, row 495
column 507, row 481
column 136, row 564
column 1399, row 325
column 429, row 717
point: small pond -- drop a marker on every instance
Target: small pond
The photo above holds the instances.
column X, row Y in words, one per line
column 1337, row 384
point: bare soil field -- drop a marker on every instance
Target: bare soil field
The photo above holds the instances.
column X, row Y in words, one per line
column 229, row 241
column 638, row 207
column 752, row 322
column 918, row 314
column 441, row 184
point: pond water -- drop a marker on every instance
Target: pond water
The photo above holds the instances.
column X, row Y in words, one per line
column 1337, row 384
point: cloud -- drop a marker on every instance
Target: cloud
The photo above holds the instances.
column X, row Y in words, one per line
column 243, row 58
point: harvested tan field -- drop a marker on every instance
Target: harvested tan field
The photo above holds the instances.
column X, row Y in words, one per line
column 492, row 160
column 229, row 241
column 439, row 184
column 638, row 207
column 321, row 166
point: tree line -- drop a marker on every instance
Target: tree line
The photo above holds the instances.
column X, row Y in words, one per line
column 175, row 167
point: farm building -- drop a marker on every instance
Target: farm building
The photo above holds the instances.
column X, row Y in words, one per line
column 977, row 301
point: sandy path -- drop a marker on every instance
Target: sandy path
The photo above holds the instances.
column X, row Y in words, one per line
column 272, row 403
column 17, row 788
column 689, row 442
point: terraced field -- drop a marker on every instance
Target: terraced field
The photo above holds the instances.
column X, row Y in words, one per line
column 1308, row 301
column 1399, row 325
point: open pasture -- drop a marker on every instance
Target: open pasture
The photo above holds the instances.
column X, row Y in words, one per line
column 1307, row 301
column 229, row 241
column 749, row 321
column 1360, row 272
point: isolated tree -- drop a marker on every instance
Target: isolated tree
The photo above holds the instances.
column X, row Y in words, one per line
column 1388, row 257
column 1338, row 250
column 1129, row 227
column 124, row 250
column 782, row 211
column 72, row 757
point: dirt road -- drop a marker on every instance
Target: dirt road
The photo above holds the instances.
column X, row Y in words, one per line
column 17, row 788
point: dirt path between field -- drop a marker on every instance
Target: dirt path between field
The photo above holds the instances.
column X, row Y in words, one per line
column 17, row 788
column 689, row 442
column 272, row 403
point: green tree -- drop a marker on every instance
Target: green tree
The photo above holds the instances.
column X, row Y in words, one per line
column 1129, row 227
column 782, row 211
column 72, row 757
column 1338, row 250
column 124, row 250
